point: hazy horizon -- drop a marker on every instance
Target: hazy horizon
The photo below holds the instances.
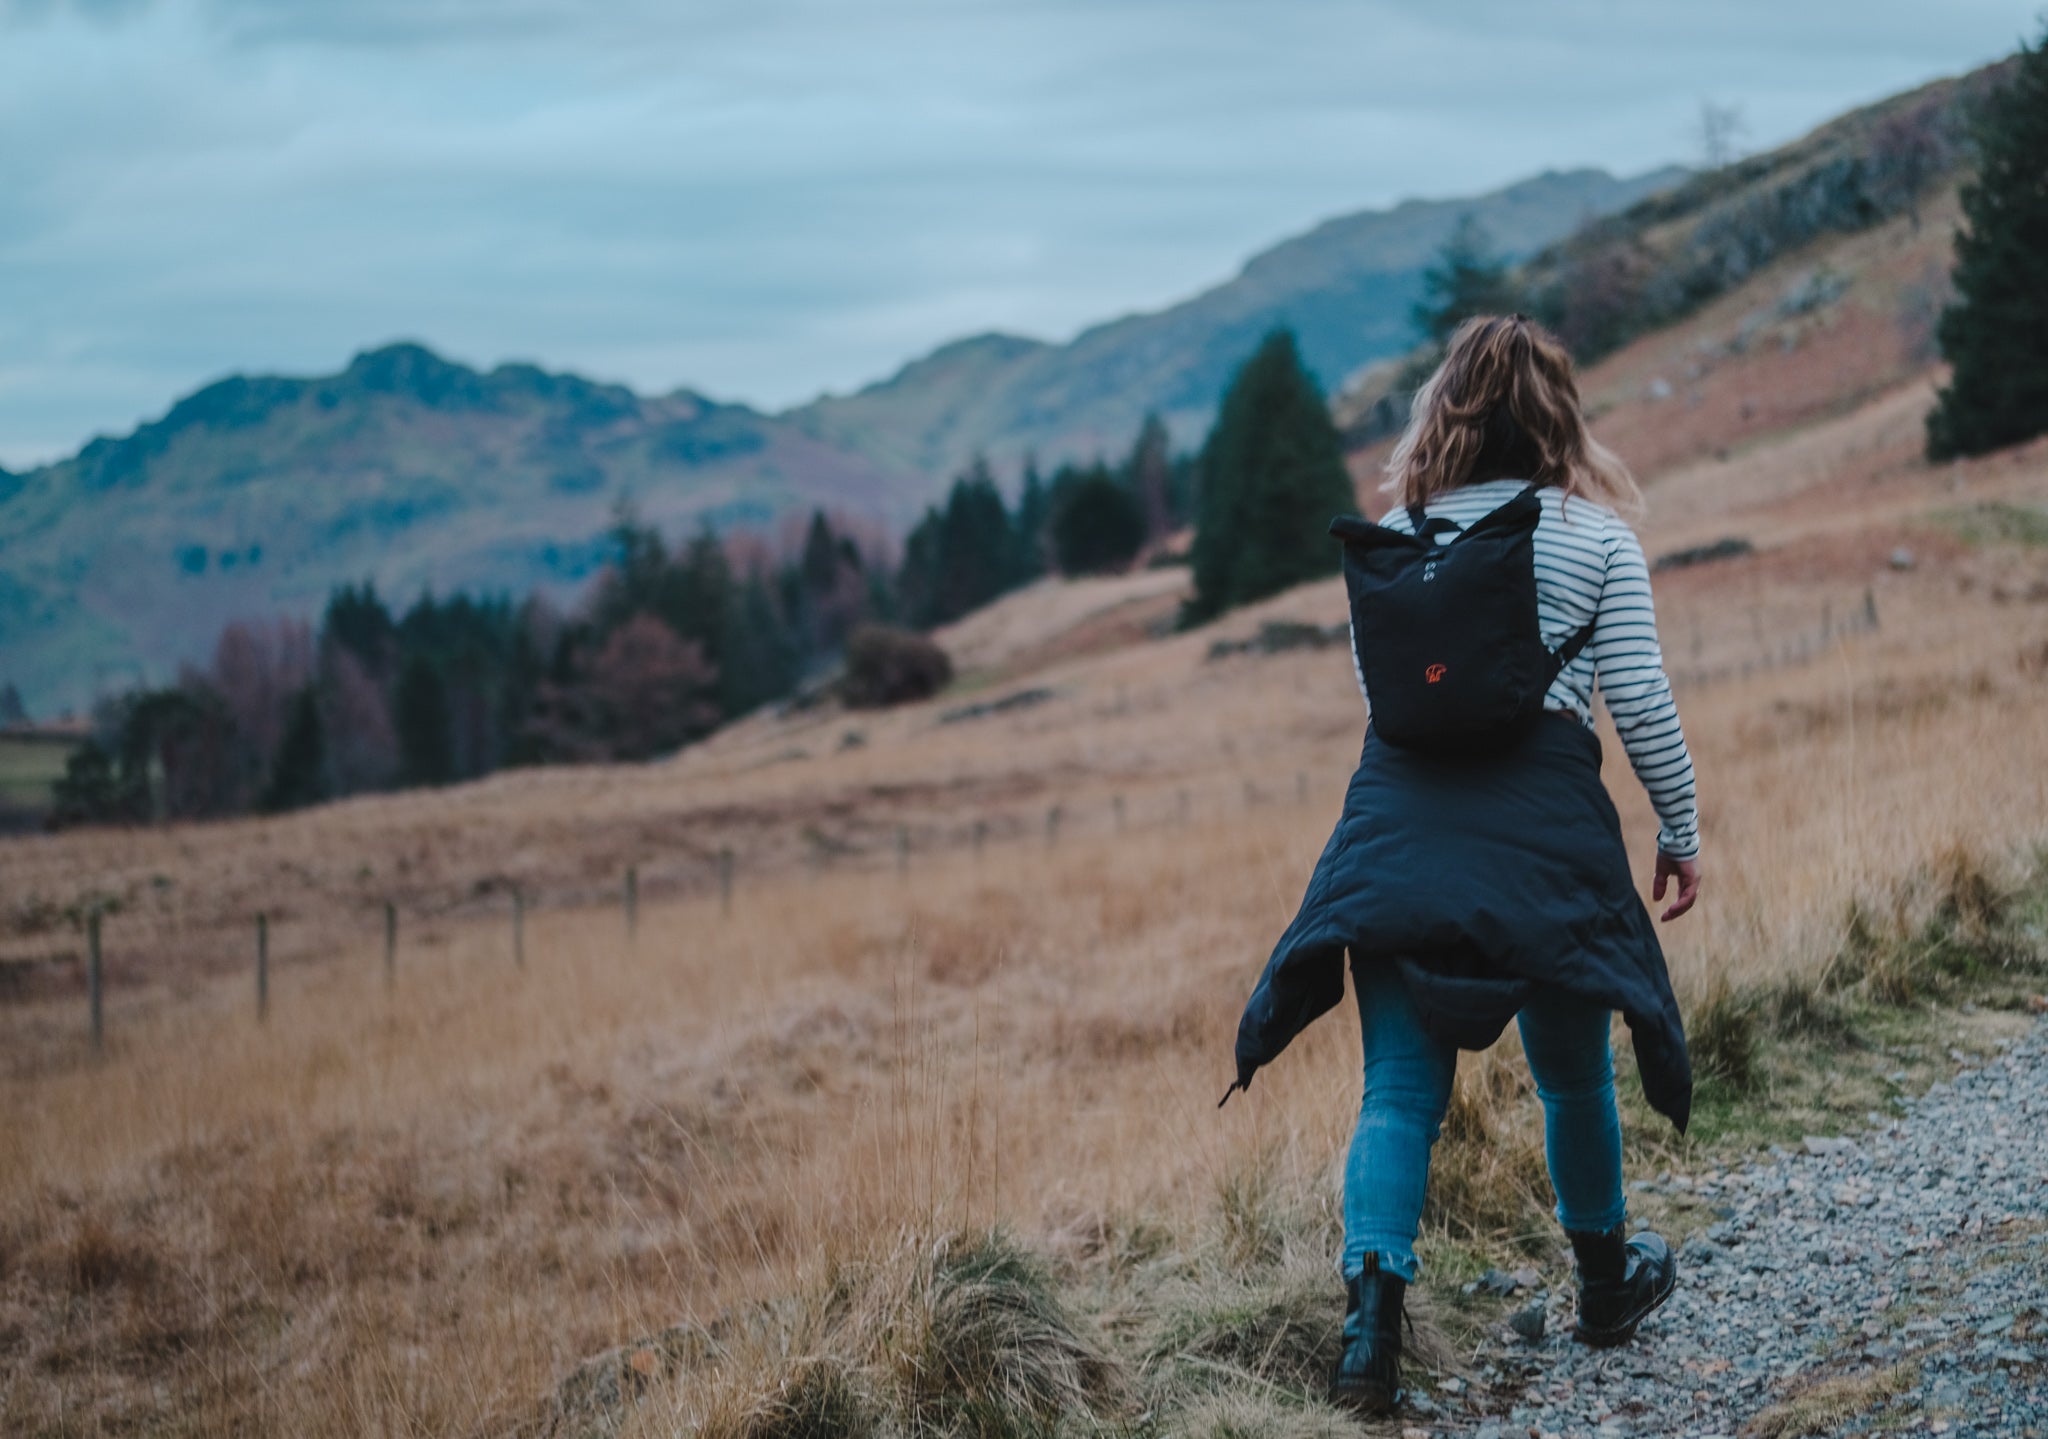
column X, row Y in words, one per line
column 766, row 203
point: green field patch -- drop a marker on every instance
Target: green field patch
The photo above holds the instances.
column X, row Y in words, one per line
column 29, row 767
column 1995, row 522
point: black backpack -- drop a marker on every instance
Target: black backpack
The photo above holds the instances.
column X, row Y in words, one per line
column 1446, row 632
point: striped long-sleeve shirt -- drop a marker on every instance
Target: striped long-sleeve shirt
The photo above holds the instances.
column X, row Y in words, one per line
column 1589, row 562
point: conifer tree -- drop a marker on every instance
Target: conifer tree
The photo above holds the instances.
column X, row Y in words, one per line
column 1034, row 510
column 425, row 755
column 357, row 621
column 696, row 593
column 299, row 776
column 1098, row 525
column 1151, row 476
column 1467, row 279
column 961, row 557
column 1996, row 334
column 760, row 656
column 1272, row 476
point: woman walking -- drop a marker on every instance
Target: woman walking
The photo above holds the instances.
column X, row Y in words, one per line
column 1478, row 875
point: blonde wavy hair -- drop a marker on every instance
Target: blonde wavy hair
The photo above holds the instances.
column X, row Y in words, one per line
column 1504, row 404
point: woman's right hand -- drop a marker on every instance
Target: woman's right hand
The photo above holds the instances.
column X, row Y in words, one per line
column 1687, row 873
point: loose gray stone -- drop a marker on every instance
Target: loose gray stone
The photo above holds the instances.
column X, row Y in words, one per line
column 1916, row 1241
column 1528, row 1322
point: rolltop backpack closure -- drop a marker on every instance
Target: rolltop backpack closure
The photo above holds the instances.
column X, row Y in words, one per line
column 1444, row 626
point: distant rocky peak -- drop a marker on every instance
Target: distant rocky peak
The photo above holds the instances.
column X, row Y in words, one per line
column 411, row 370
column 990, row 349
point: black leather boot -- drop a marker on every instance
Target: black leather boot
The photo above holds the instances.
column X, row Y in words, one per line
column 1368, row 1377
column 1620, row 1285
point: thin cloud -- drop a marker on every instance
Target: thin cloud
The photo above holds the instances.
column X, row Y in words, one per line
column 764, row 200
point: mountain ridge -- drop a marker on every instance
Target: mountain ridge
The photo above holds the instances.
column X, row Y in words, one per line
column 255, row 494
column 1345, row 286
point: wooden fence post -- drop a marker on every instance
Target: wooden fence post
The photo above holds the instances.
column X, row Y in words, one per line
column 632, row 901
column 519, row 926
column 390, row 944
column 262, row 967
column 95, row 987
column 1052, row 826
column 725, row 881
column 1870, row 607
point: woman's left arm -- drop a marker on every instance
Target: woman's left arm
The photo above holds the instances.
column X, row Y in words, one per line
column 1628, row 663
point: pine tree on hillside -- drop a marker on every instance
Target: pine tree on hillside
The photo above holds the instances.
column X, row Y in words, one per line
column 1097, row 526
column 760, row 656
column 961, row 557
column 425, row 754
column 1996, row 334
column 1034, row 512
column 1272, row 476
column 697, row 593
column 638, row 571
column 357, row 621
column 980, row 551
column 1151, row 472
column 299, row 775
column 820, row 562
column 1467, row 279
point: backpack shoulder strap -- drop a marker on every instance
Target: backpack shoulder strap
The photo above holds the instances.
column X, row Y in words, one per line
column 1565, row 653
column 1428, row 527
column 1362, row 533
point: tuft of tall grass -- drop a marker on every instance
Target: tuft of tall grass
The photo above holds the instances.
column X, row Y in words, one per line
column 1721, row 1034
column 970, row 1336
column 1955, row 921
column 998, row 1343
column 1486, row 1176
column 1283, row 1326
column 817, row 1399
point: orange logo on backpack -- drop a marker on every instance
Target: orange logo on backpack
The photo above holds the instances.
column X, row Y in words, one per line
column 1433, row 673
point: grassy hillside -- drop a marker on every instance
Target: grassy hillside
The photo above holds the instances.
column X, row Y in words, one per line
column 1650, row 265
column 258, row 495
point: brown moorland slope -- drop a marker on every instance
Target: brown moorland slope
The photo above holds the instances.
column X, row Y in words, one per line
column 979, row 966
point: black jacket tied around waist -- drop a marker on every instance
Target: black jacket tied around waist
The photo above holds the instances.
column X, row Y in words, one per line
column 1480, row 878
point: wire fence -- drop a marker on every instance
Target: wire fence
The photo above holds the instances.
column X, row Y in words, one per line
column 722, row 874
column 901, row 846
column 1773, row 647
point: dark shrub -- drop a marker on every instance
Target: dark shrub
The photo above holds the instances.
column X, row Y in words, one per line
column 1098, row 525
column 888, row 666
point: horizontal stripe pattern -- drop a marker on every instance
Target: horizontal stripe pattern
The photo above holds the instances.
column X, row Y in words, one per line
column 1588, row 563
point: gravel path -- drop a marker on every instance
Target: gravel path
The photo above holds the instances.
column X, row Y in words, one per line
column 1893, row 1282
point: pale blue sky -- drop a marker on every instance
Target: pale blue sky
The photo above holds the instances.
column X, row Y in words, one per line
column 763, row 199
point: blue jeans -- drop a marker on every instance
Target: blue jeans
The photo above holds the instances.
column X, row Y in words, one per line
column 1408, row 1086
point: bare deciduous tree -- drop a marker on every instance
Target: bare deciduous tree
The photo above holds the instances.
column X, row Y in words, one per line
column 1720, row 131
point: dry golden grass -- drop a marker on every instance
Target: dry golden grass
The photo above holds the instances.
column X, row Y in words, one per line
column 1823, row 1407
column 416, row 1211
